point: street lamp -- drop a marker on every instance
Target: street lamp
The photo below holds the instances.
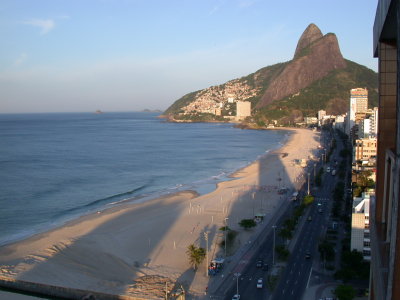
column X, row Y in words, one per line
column 315, row 165
column 273, row 247
column 237, row 283
column 253, row 194
column 206, row 238
column 226, row 229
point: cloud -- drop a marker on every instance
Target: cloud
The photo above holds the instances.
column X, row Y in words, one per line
column 246, row 3
column 21, row 59
column 45, row 25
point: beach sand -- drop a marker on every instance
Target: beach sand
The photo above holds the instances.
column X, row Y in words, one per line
column 108, row 250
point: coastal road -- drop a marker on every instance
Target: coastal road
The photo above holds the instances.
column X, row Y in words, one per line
column 297, row 273
column 295, row 278
column 250, row 272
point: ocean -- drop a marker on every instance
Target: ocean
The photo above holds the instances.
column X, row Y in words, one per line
column 57, row 167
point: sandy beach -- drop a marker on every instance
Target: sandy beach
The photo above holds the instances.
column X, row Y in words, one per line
column 107, row 251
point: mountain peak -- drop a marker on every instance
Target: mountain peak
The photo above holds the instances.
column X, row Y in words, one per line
column 316, row 55
column 309, row 36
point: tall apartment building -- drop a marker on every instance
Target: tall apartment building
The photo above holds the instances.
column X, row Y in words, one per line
column 364, row 130
column 374, row 122
column 243, row 109
column 360, row 235
column 384, row 208
column 358, row 106
column 360, row 98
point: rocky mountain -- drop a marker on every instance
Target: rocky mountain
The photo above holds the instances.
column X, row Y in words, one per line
column 318, row 77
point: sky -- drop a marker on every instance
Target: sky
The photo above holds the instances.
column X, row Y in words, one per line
column 130, row 55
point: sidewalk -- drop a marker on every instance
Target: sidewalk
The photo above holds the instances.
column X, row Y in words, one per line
column 320, row 291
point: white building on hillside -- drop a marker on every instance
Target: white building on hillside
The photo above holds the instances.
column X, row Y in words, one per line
column 243, row 109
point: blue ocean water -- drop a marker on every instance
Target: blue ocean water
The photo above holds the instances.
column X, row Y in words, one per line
column 56, row 167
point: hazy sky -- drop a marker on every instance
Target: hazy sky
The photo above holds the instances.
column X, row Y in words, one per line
column 76, row 56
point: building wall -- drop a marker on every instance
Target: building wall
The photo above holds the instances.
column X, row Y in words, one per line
column 357, row 231
column 364, row 149
column 385, row 225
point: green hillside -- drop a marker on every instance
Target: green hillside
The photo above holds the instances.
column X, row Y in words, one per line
column 331, row 93
column 257, row 80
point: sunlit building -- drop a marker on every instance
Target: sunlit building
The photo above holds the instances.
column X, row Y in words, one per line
column 384, row 208
column 360, row 236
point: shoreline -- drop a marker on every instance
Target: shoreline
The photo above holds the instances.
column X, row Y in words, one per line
column 107, row 250
column 206, row 186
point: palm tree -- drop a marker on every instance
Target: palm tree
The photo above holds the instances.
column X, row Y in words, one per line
column 196, row 255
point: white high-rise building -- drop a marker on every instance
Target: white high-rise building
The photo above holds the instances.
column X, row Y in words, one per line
column 374, row 122
column 243, row 109
column 364, row 130
column 358, row 104
column 321, row 115
column 360, row 235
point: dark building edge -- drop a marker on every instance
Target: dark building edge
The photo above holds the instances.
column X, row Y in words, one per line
column 385, row 217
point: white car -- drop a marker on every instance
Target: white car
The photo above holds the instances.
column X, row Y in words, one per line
column 259, row 283
column 236, row 297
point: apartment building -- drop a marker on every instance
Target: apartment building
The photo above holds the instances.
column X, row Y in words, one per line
column 243, row 109
column 358, row 105
column 384, row 207
column 364, row 149
column 360, row 235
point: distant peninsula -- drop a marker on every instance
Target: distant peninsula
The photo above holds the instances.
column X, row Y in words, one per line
column 152, row 110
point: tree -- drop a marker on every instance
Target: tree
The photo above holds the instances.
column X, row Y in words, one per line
column 247, row 223
column 196, row 255
column 345, row 292
column 285, row 233
column 308, row 199
column 326, row 250
column 282, row 252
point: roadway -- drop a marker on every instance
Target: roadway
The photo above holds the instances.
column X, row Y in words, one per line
column 297, row 273
column 294, row 279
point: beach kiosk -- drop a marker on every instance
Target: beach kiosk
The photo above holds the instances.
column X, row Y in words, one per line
column 215, row 266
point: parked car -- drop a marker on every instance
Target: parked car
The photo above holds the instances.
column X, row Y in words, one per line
column 265, row 267
column 236, row 297
column 259, row 263
column 308, row 255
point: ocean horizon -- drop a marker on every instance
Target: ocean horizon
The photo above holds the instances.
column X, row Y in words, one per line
column 56, row 167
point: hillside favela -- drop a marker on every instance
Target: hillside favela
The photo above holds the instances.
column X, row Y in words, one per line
column 279, row 184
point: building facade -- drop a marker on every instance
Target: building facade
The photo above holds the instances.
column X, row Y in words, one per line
column 364, row 149
column 384, row 208
column 358, row 109
column 374, row 122
column 360, row 235
column 243, row 109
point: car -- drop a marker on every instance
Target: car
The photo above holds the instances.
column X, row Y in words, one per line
column 259, row 263
column 236, row 297
column 320, row 210
column 260, row 283
column 265, row 267
column 309, row 218
column 308, row 255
